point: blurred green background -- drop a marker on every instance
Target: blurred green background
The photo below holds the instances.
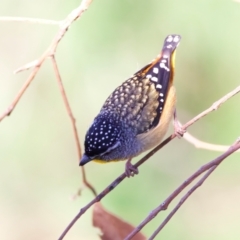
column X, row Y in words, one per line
column 39, row 170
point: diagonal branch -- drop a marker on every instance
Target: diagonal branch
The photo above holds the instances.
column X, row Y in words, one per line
column 67, row 105
column 35, row 70
column 199, row 183
column 205, row 145
column 118, row 180
column 36, row 65
column 209, row 167
column 73, row 121
column 30, row 20
column 214, row 106
column 73, row 16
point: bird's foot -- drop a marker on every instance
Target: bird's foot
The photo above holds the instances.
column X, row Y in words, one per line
column 130, row 170
column 178, row 130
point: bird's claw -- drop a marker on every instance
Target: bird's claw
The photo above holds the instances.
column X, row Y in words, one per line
column 130, row 170
column 178, row 130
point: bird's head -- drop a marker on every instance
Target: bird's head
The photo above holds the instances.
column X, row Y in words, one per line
column 102, row 137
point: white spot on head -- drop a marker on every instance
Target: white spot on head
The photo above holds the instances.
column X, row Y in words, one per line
column 154, row 79
column 165, row 56
column 169, row 39
column 169, row 46
column 155, row 70
column 159, row 86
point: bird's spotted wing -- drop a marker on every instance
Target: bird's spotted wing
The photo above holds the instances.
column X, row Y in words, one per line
column 140, row 100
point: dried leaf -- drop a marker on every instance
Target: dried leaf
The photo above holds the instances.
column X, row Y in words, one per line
column 112, row 227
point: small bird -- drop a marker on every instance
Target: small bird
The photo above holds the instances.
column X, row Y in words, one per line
column 136, row 116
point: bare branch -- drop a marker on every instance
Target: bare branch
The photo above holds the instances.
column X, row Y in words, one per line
column 209, row 167
column 214, row 106
column 73, row 16
column 67, row 105
column 11, row 107
column 73, row 121
column 29, row 20
column 118, row 180
column 27, row 66
column 36, row 64
column 204, row 145
column 199, row 183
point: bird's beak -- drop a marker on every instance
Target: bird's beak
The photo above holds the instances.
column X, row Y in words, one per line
column 85, row 159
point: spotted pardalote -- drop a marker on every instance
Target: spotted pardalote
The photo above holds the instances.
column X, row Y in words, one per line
column 136, row 116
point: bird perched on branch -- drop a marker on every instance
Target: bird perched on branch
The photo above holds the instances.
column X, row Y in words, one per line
column 136, row 116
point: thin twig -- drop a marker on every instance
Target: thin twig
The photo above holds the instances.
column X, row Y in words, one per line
column 96, row 199
column 73, row 121
column 164, row 205
column 74, row 15
column 11, row 107
column 67, row 105
column 27, row 66
column 36, row 64
column 205, row 145
column 29, row 20
column 118, row 180
column 214, row 106
column 167, row 219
